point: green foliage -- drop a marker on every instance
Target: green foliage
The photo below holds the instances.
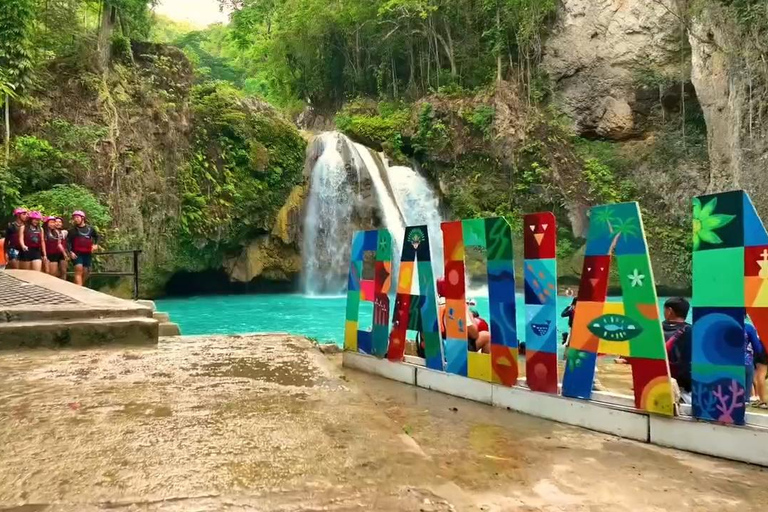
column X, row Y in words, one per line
column 381, row 125
column 481, row 119
column 9, row 190
column 37, row 164
column 431, row 132
column 121, row 48
column 243, row 167
column 62, row 200
column 604, row 171
column 16, row 18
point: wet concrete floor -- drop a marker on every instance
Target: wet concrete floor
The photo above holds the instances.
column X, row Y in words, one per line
column 268, row 423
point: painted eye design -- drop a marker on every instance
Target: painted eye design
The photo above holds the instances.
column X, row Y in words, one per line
column 533, row 228
column 615, row 328
column 544, row 226
column 589, row 269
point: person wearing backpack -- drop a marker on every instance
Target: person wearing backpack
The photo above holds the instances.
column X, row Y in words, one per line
column 678, row 335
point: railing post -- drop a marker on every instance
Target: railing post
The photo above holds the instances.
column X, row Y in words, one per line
column 136, row 275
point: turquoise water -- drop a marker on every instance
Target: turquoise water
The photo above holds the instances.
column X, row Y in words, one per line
column 320, row 318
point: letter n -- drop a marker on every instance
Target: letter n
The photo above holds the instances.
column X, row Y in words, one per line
column 730, row 280
column 369, row 285
column 416, row 312
column 631, row 328
column 493, row 237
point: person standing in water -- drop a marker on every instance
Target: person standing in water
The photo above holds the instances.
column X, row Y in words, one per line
column 82, row 241
column 12, row 240
column 54, row 248
column 31, row 239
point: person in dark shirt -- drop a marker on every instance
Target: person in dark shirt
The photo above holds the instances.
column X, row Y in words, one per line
column 678, row 335
column 12, row 246
column 569, row 313
column 82, row 241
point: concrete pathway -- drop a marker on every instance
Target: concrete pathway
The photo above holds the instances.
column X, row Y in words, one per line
column 269, row 423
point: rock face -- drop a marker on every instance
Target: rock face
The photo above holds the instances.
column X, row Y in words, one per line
column 596, row 52
column 277, row 256
column 737, row 135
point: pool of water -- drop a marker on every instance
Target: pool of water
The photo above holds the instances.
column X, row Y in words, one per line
column 321, row 318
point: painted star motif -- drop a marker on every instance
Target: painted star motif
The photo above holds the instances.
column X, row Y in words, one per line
column 636, row 278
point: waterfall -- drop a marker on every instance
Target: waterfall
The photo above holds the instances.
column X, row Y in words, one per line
column 353, row 188
column 420, row 205
column 328, row 218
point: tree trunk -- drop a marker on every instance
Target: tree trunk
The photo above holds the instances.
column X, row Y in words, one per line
column 106, row 27
column 7, row 128
column 448, row 47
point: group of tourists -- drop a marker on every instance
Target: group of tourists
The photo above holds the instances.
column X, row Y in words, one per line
column 35, row 242
column 678, row 334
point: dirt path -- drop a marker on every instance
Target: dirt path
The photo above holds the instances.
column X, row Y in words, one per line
column 267, row 423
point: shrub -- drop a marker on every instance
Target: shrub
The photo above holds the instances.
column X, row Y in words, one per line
column 37, row 164
column 62, row 200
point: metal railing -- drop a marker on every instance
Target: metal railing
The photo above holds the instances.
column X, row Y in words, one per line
column 109, row 273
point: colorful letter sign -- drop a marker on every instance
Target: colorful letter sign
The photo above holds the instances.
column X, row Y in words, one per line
column 730, row 280
column 374, row 290
column 618, row 229
column 416, row 312
column 495, row 237
column 540, row 239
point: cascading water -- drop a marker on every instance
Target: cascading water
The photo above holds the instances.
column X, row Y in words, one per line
column 353, row 188
column 328, row 222
column 391, row 213
column 420, row 205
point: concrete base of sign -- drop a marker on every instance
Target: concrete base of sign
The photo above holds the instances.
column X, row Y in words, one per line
column 745, row 444
column 607, row 413
column 400, row 372
column 604, row 418
column 455, row 385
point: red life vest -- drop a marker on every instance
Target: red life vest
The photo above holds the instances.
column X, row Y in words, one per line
column 33, row 237
column 82, row 242
column 52, row 242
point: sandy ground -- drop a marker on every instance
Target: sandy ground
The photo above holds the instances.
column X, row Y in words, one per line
column 268, row 423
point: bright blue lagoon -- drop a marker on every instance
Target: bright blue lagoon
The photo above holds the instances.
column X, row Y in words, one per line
column 317, row 317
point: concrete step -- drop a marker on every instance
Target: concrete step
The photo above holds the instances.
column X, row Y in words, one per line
column 79, row 333
column 169, row 329
column 161, row 317
column 71, row 312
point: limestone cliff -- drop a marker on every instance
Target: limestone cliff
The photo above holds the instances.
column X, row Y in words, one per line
column 595, row 53
column 730, row 74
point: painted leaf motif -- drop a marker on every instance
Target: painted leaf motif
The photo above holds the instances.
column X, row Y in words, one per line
column 708, row 208
column 696, row 208
column 716, row 221
column 710, row 237
column 615, row 328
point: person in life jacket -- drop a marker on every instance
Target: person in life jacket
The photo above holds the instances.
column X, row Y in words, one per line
column 31, row 240
column 54, row 248
column 64, row 263
column 477, row 340
column 82, row 241
column 12, row 246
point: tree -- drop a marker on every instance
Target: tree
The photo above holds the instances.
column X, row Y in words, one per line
column 15, row 58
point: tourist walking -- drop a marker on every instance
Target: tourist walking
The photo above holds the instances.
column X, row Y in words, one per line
column 678, row 336
column 31, row 240
column 12, row 242
column 82, row 241
column 54, row 248
column 753, row 352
